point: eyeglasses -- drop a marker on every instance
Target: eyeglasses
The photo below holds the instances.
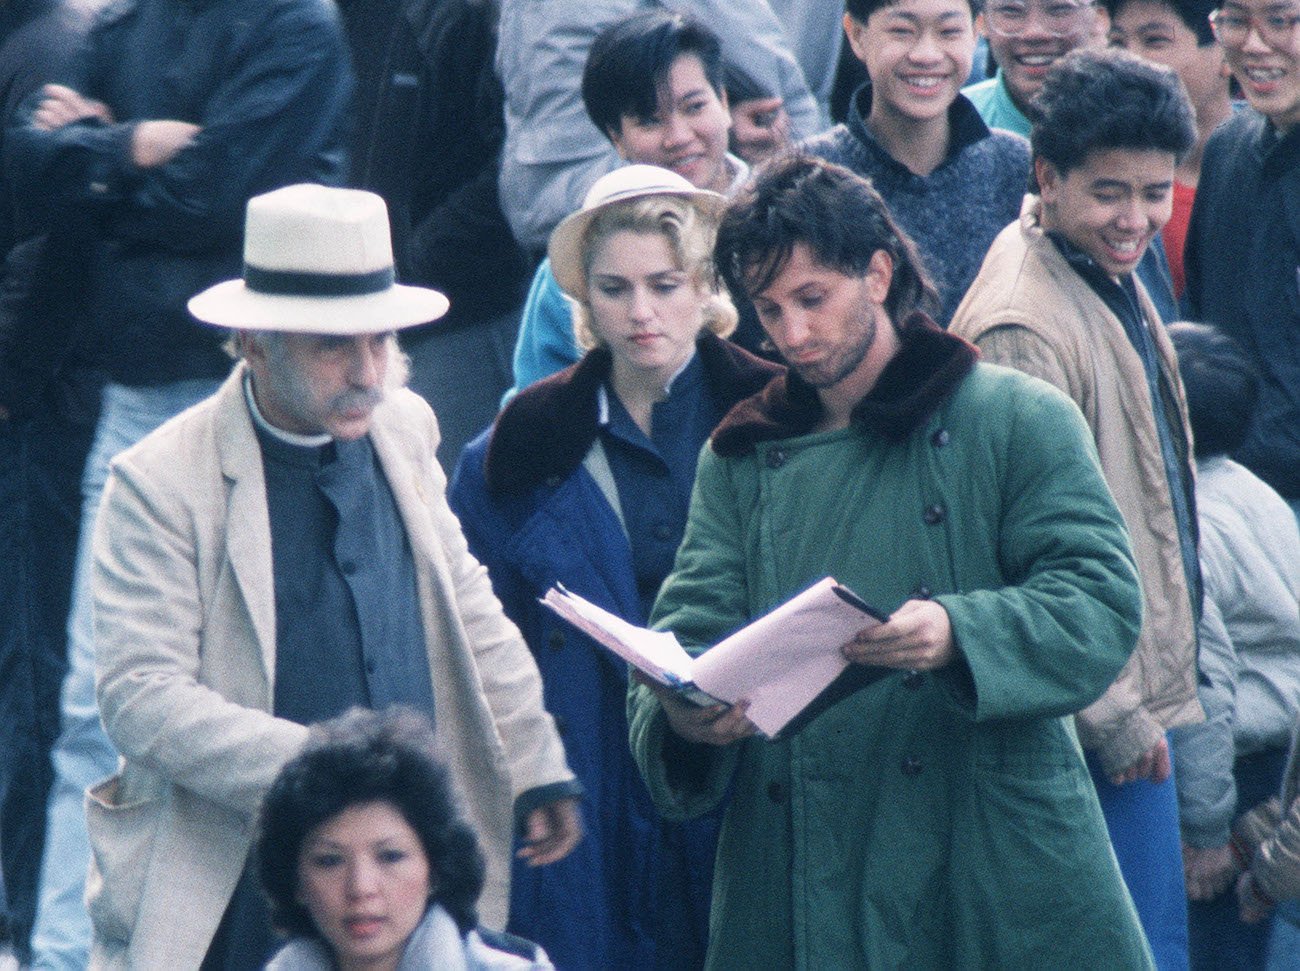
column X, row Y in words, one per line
column 1060, row 18
column 1276, row 27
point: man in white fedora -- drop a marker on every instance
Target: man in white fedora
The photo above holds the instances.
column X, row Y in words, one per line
column 273, row 556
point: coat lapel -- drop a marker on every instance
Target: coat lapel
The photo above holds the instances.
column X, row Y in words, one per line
column 248, row 523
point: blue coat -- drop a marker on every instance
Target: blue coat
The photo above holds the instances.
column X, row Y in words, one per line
column 534, row 515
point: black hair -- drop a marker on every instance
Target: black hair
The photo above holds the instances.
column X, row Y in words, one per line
column 1222, row 387
column 1097, row 100
column 1194, row 13
column 628, row 64
column 860, row 10
column 831, row 210
column 363, row 757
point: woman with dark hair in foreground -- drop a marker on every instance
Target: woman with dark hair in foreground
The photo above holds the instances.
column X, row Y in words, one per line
column 367, row 861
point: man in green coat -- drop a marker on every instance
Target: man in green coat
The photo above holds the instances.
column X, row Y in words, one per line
column 935, row 811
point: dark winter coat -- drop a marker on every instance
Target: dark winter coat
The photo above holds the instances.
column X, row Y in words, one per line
column 534, row 515
column 267, row 81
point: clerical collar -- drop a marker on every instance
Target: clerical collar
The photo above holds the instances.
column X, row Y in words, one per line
column 289, row 438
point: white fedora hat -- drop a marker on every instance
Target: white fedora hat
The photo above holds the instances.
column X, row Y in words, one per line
column 317, row 260
column 621, row 185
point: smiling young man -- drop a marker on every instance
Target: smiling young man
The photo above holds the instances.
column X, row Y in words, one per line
column 936, row 811
column 1243, row 245
column 951, row 183
column 1058, row 297
column 1027, row 38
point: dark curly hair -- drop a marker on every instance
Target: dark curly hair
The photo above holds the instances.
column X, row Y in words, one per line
column 832, row 211
column 1098, row 100
column 363, row 757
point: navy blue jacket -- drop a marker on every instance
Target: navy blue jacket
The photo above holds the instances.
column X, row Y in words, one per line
column 269, row 83
column 534, row 516
column 1243, row 276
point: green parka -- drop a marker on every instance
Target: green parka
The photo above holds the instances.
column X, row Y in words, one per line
column 941, row 820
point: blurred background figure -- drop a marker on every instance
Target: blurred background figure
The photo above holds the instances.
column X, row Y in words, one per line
column 49, row 400
column 653, row 84
column 172, row 117
column 427, row 133
column 367, row 860
column 553, row 153
column 1249, row 648
column 1243, row 244
column 585, row 479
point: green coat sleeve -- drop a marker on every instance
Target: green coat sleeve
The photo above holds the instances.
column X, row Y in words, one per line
column 1056, row 634
column 704, row 599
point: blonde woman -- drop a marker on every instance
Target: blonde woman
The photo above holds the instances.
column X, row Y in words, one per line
column 585, row 479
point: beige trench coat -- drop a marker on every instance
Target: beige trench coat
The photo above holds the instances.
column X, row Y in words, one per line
column 185, row 637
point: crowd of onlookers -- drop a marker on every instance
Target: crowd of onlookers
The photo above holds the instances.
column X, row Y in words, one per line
column 706, row 297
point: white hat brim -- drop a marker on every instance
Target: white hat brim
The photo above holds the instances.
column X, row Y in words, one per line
column 565, row 245
column 232, row 304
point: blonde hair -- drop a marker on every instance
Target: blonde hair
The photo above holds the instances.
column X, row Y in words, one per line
column 690, row 238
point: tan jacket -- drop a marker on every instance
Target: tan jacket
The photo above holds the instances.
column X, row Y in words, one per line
column 185, row 637
column 1028, row 308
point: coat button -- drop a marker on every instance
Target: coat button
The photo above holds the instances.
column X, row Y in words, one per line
column 662, row 532
column 556, row 640
column 934, row 515
column 921, row 593
column 552, row 481
column 775, row 458
column 911, row 765
column 940, row 438
column 913, row 680
column 776, row 792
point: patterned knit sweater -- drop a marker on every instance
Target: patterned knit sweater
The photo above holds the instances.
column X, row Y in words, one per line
column 953, row 213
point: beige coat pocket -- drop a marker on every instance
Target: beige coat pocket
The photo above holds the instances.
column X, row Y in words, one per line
column 121, row 841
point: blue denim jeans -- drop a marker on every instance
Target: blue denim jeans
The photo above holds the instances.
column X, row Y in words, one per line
column 1284, row 944
column 1142, row 819
column 83, row 755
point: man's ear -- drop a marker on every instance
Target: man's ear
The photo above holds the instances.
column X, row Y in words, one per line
column 880, row 274
column 856, row 33
column 1049, row 180
column 249, row 347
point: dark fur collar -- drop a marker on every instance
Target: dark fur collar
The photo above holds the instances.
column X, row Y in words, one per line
column 548, row 428
column 926, row 370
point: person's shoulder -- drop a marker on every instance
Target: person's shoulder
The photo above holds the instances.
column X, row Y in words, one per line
column 981, row 93
column 833, row 145
column 179, row 447
column 1237, row 137
column 298, row 14
column 1008, row 146
column 301, row 954
column 501, row 951
column 407, row 416
column 994, row 396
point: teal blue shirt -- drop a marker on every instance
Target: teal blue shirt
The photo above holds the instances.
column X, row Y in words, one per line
column 993, row 101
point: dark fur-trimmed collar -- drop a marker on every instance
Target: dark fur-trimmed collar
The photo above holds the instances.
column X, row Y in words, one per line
column 927, row 368
column 548, row 428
